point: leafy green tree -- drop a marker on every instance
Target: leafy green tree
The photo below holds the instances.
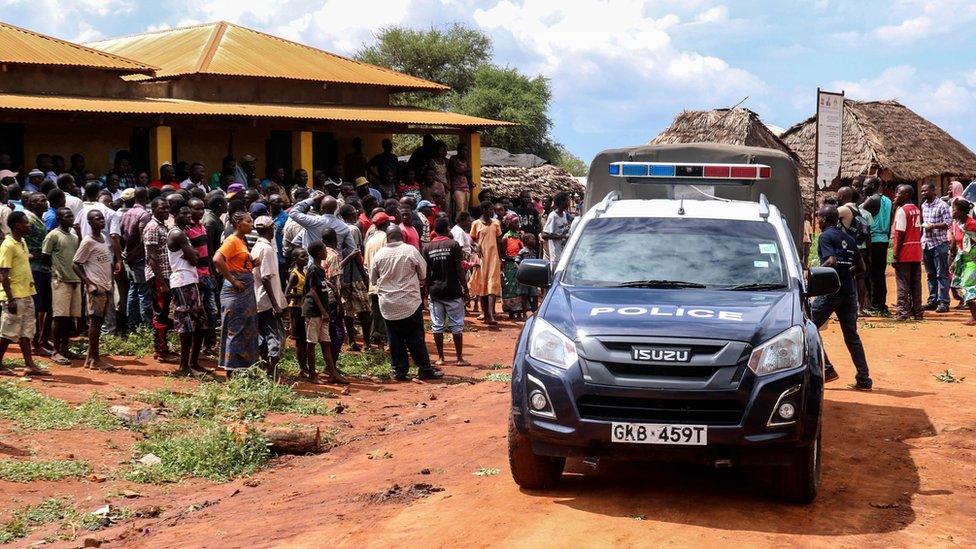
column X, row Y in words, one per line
column 506, row 94
column 570, row 162
column 460, row 57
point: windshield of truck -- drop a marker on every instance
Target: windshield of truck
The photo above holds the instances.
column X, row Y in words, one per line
column 677, row 253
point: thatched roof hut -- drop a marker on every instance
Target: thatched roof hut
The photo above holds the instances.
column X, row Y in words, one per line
column 544, row 181
column 887, row 139
column 737, row 126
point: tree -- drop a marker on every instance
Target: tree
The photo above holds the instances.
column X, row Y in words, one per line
column 460, row 57
column 448, row 57
column 570, row 162
column 506, row 94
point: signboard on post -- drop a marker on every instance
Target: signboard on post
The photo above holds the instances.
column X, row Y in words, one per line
column 830, row 131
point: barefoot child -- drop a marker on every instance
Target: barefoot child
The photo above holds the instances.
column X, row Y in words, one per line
column 295, row 293
column 315, row 310
column 93, row 265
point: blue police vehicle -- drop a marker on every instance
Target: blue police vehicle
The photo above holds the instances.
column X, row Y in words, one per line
column 676, row 323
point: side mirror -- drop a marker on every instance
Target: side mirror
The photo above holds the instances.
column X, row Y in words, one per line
column 822, row 281
column 534, row 272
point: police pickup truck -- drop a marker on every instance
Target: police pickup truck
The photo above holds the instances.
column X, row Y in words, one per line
column 676, row 324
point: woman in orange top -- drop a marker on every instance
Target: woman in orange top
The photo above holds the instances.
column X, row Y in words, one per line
column 239, row 308
column 486, row 281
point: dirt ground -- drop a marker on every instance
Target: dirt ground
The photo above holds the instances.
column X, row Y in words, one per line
column 899, row 467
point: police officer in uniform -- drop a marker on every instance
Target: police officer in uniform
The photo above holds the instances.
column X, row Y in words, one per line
column 837, row 249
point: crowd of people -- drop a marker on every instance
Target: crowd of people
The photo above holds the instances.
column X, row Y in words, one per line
column 861, row 226
column 235, row 264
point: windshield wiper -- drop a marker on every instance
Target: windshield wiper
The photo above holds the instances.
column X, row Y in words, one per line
column 658, row 284
column 758, row 286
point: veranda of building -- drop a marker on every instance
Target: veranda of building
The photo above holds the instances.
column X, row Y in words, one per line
column 196, row 94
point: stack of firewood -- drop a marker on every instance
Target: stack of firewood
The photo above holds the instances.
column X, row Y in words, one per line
column 543, row 181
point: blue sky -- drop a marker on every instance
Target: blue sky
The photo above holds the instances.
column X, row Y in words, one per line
column 622, row 69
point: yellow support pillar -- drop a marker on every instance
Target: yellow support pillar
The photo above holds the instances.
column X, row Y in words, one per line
column 473, row 141
column 160, row 148
column 301, row 152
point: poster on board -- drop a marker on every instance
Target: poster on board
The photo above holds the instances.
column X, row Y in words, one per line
column 830, row 131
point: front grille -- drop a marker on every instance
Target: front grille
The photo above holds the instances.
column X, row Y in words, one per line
column 704, row 412
column 685, row 371
column 696, row 349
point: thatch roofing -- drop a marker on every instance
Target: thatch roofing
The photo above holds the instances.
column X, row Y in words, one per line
column 544, row 181
column 881, row 135
column 730, row 126
column 737, row 126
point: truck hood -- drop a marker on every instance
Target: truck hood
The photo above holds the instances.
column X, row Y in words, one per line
column 751, row 317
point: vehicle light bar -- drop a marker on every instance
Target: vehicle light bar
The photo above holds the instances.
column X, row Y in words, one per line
column 667, row 170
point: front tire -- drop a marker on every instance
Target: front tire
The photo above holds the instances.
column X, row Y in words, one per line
column 799, row 481
column 529, row 470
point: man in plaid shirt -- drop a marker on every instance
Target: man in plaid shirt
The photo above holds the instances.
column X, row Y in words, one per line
column 936, row 220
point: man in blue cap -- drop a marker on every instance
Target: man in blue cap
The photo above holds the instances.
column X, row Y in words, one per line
column 426, row 210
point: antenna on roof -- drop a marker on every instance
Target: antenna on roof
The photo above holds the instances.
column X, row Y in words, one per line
column 763, row 206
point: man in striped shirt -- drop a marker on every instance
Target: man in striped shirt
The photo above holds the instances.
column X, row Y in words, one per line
column 936, row 220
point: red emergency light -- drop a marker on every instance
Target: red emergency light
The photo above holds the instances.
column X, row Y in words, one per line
column 670, row 170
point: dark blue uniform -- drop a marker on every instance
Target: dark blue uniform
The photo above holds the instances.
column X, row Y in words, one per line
column 836, row 243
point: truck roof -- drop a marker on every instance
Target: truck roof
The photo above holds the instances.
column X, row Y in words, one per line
column 782, row 187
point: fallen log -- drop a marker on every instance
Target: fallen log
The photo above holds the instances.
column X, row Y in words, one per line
column 287, row 439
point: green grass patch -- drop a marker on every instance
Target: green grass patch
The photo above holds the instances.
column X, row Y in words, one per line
column 212, row 452
column 15, row 470
column 374, row 364
column 32, row 410
column 498, row 376
column 248, row 396
column 138, row 343
column 25, row 520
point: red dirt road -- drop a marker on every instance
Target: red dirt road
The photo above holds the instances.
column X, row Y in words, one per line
column 899, row 469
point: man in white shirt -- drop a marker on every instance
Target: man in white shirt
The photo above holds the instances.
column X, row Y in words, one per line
column 112, row 234
column 397, row 272
column 461, row 232
column 71, row 201
column 267, row 290
column 197, row 178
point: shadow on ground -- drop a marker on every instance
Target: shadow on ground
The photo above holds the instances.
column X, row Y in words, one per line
column 868, row 481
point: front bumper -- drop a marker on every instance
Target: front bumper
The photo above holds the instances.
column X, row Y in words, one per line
column 743, row 435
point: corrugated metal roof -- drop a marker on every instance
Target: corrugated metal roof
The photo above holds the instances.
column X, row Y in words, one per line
column 379, row 115
column 22, row 46
column 226, row 49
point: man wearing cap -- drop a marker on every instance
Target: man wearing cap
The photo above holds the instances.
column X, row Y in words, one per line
column 426, row 210
column 268, row 292
column 35, row 178
column 374, row 243
column 315, row 224
column 138, row 300
column 363, row 188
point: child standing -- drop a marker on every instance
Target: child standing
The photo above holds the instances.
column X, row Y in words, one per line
column 315, row 310
column 295, row 293
column 93, row 265
column 512, row 302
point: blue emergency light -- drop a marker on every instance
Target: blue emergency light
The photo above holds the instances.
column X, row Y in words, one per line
column 668, row 170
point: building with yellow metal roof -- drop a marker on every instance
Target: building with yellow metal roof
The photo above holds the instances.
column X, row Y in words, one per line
column 197, row 93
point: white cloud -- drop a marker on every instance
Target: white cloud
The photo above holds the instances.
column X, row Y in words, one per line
column 713, row 15
column 908, row 30
column 614, row 66
column 943, row 101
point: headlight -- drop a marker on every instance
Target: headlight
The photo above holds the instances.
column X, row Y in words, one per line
column 547, row 344
column 783, row 352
